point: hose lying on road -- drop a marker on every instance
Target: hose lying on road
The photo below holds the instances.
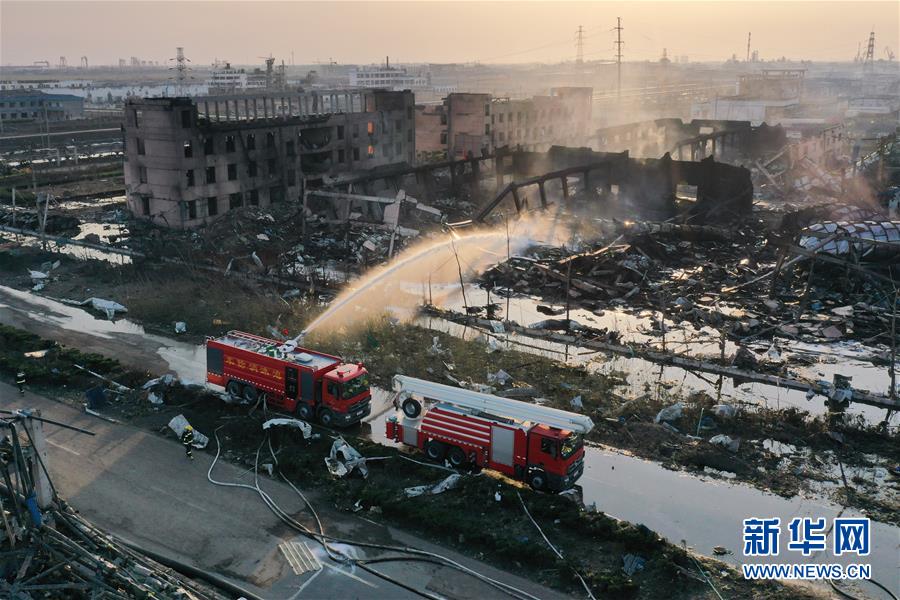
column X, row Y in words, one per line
column 324, row 539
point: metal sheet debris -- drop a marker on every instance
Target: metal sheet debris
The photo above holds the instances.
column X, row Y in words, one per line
column 343, row 458
column 448, row 483
column 303, row 426
column 179, row 422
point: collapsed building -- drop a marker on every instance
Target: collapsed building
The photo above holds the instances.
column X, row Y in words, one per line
column 188, row 161
column 627, row 187
column 729, row 141
column 468, row 124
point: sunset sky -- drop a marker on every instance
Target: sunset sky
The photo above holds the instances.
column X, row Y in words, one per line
column 423, row 31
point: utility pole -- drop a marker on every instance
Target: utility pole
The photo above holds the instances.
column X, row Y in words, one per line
column 579, row 47
column 619, row 43
column 748, row 46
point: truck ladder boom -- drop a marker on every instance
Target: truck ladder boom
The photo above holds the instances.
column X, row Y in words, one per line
column 502, row 407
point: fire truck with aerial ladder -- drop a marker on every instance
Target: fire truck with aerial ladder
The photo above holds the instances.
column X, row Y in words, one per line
column 536, row 444
column 314, row 385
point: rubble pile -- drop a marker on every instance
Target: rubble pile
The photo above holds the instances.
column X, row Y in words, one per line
column 707, row 276
column 271, row 241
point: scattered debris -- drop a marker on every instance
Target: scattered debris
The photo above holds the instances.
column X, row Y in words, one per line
column 108, row 307
column 670, row 413
column 303, row 426
column 727, row 442
column 343, row 458
column 632, row 563
column 448, row 483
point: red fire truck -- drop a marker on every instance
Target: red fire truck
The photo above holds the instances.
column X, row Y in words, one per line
column 528, row 442
column 312, row 384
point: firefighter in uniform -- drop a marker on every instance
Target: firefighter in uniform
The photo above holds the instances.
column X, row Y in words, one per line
column 187, row 438
column 20, row 381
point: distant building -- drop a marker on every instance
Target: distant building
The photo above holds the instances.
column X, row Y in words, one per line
column 475, row 124
column 42, row 84
column 35, row 105
column 231, row 80
column 188, row 161
column 766, row 97
column 387, row 77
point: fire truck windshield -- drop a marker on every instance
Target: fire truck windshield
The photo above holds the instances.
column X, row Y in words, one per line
column 570, row 445
column 356, row 386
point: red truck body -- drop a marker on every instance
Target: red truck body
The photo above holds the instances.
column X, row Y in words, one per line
column 546, row 457
column 312, row 384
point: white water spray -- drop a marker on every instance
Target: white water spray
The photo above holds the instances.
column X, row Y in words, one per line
column 434, row 263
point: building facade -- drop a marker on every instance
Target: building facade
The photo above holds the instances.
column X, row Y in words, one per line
column 387, row 77
column 476, row 124
column 34, row 105
column 188, row 161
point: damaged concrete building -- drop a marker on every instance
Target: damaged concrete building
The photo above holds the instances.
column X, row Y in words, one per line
column 188, row 161
column 468, row 124
column 645, row 188
column 725, row 140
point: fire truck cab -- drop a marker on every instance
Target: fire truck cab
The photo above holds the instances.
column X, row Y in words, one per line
column 536, row 444
column 314, row 385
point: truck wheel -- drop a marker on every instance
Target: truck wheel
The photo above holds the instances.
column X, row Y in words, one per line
column 250, row 394
column 305, row 411
column 538, row 481
column 326, row 417
column 456, row 456
column 234, row 388
column 435, row 450
column 412, row 408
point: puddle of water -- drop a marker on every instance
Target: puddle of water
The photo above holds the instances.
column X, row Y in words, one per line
column 708, row 513
column 187, row 361
column 103, row 230
column 845, row 358
column 77, row 252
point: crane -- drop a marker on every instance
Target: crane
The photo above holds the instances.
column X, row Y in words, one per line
column 521, row 411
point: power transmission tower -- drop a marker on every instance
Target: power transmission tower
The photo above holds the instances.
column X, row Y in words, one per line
column 181, row 70
column 579, row 47
column 619, row 43
column 870, row 51
column 748, row 46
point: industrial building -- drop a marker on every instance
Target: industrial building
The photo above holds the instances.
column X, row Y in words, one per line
column 468, row 124
column 188, row 161
column 388, row 77
column 34, row 105
column 767, row 97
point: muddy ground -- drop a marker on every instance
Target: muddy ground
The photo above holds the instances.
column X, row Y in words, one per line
column 498, row 532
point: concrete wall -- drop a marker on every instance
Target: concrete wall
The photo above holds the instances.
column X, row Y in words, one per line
column 431, row 132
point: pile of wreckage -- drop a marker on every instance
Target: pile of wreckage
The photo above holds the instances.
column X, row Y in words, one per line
column 740, row 281
column 48, row 551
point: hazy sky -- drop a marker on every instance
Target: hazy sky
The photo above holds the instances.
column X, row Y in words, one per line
column 425, row 31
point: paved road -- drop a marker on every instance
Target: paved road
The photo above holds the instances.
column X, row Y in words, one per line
column 140, row 486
